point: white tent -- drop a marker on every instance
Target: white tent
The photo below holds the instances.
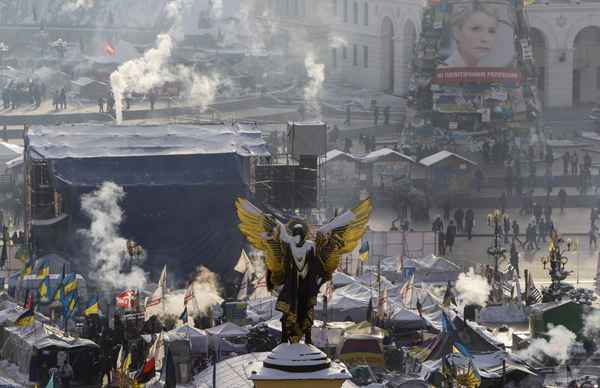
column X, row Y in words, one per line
column 262, row 309
column 348, row 301
column 340, row 279
column 198, row 338
column 228, row 329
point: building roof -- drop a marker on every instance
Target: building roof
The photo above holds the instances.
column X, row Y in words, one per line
column 443, row 155
column 102, row 141
column 337, row 154
column 85, row 81
column 385, row 153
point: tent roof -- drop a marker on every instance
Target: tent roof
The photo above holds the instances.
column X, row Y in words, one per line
column 386, row 153
column 337, row 154
column 189, row 331
column 443, row 155
column 10, row 150
column 340, row 279
column 42, row 336
column 85, row 81
column 228, row 329
column 101, row 141
column 431, row 263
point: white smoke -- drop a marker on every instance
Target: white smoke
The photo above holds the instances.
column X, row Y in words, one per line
column 472, row 288
column 336, row 41
column 591, row 326
column 207, row 293
column 73, row 5
column 152, row 70
column 312, row 90
column 107, row 249
column 560, row 339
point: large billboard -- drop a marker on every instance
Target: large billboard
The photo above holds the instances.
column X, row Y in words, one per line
column 478, row 44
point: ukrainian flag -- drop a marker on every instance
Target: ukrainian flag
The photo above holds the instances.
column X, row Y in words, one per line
column 58, row 294
column 25, row 319
column 44, row 289
column 363, row 251
column 93, row 307
column 28, row 269
column 70, row 284
column 44, row 270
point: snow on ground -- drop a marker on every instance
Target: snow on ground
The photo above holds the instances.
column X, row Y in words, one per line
column 10, row 375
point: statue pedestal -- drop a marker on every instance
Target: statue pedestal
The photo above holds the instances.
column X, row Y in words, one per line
column 297, row 366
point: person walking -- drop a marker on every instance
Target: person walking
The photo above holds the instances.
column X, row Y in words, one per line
column 514, row 257
column 437, row 224
column 566, row 158
column 66, row 374
column 459, row 216
column 101, row 105
column 593, row 233
column 562, row 199
column 574, row 163
column 516, row 229
column 542, row 230
column 537, row 212
column 386, row 115
column 478, row 180
column 348, row 115
column 376, row 115
column 506, row 229
column 441, row 243
column 503, row 202
column 469, row 222
column 63, row 99
column 450, row 235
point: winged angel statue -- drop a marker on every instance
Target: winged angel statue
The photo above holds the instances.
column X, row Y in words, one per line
column 297, row 267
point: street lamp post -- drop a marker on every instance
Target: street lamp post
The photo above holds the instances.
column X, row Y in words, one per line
column 60, row 45
column 557, row 262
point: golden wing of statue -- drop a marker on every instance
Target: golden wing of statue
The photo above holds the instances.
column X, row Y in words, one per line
column 262, row 232
column 341, row 235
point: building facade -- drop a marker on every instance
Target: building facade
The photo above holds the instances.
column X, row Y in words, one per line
column 370, row 43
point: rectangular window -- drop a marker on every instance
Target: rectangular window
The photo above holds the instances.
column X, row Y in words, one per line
column 335, row 11
column 366, row 14
column 346, row 11
column 344, row 53
column 355, row 12
column 366, row 56
column 334, row 57
column 355, row 55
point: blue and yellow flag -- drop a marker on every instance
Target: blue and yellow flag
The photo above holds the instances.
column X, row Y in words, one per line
column 44, row 269
column 28, row 268
column 93, row 307
column 58, row 293
column 70, row 304
column 70, row 284
column 363, row 251
column 25, row 319
column 44, row 290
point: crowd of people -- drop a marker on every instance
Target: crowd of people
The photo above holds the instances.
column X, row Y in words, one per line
column 23, row 93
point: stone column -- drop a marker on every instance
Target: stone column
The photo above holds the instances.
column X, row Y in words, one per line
column 559, row 65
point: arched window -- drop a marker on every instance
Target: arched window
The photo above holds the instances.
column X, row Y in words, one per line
column 345, row 11
column 355, row 10
column 366, row 14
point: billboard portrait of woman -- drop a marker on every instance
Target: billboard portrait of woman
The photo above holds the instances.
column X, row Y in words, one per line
column 481, row 35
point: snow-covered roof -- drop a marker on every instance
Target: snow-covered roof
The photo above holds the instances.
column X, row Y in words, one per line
column 8, row 150
column 382, row 153
column 228, row 329
column 442, row 155
column 96, row 141
column 335, row 154
column 85, row 81
column 340, row 279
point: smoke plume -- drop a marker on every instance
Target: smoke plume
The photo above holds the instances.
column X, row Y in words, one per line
column 560, row 339
column 152, row 70
column 207, row 293
column 472, row 288
column 312, row 90
column 106, row 248
column 73, row 5
column 591, row 326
